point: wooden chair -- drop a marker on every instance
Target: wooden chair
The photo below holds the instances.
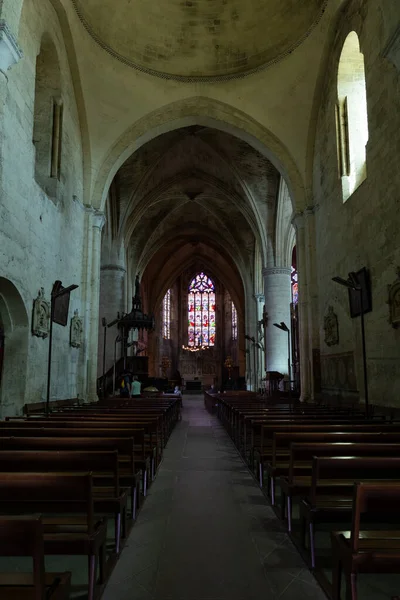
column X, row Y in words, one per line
column 108, row 497
column 331, row 492
column 60, row 495
column 365, row 551
column 23, row 536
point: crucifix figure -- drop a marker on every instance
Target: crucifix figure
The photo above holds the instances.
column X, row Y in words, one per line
column 264, row 324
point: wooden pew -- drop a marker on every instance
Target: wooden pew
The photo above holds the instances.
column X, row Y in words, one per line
column 264, row 454
column 23, row 536
column 330, row 494
column 364, row 551
column 129, row 475
column 107, row 496
column 142, row 461
column 40, row 407
column 60, row 494
column 301, row 458
column 281, row 442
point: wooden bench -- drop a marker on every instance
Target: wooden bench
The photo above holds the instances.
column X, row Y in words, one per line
column 60, row 494
column 23, row 536
column 264, row 453
column 142, row 460
column 108, row 497
column 330, row 495
column 281, row 442
column 364, row 551
column 129, row 475
column 298, row 480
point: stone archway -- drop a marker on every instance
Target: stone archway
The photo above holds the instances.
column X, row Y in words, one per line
column 14, row 323
column 209, row 113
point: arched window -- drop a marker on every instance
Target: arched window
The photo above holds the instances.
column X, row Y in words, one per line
column 295, row 278
column 48, row 117
column 351, row 117
column 167, row 316
column 234, row 323
column 201, row 312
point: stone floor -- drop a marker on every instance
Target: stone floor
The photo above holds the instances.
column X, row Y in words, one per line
column 206, row 530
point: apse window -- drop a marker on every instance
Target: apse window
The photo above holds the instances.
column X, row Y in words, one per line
column 234, row 323
column 48, row 118
column 167, row 316
column 294, row 278
column 351, row 117
column 201, row 312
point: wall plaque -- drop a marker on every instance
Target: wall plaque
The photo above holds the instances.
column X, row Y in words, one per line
column 41, row 316
column 394, row 301
column 76, row 330
column 331, row 328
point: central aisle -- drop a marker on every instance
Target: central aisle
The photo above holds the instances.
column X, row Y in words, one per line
column 206, row 531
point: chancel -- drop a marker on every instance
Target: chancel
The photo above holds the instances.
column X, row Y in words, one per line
column 213, row 412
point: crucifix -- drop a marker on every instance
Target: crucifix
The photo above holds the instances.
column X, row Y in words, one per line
column 264, row 324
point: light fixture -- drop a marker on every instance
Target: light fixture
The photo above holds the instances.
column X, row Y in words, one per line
column 282, row 326
column 353, row 283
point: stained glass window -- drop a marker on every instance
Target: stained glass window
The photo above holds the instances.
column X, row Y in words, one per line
column 201, row 312
column 167, row 316
column 295, row 279
column 234, row 322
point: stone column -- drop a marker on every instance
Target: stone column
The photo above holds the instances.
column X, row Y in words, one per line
column 305, row 363
column 112, row 302
column 260, row 298
column 313, row 308
column 96, row 223
column 277, row 291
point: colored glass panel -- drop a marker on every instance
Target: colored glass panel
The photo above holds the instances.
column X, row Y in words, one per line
column 167, row 316
column 234, row 322
column 201, row 311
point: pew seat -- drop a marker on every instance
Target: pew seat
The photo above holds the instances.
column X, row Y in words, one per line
column 361, row 550
column 62, row 495
column 23, row 536
column 330, row 496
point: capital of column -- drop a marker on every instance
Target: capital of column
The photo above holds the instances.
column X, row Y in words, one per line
column 10, row 52
column 112, row 268
column 276, row 271
column 98, row 220
column 259, row 297
column 298, row 221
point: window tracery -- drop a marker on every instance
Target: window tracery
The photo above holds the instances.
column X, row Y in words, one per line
column 167, row 316
column 201, row 311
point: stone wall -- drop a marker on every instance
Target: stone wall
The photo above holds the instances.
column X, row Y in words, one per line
column 363, row 231
column 43, row 238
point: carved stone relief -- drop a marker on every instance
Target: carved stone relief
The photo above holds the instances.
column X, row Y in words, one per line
column 41, row 316
column 394, row 301
column 331, row 328
column 76, row 330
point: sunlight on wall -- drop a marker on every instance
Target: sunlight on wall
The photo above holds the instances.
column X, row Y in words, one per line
column 351, row 117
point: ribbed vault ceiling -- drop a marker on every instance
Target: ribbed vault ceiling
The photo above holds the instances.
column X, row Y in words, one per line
column 195, row 184
column 199, row 38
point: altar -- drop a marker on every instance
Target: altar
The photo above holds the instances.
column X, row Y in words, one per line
column 199, row 369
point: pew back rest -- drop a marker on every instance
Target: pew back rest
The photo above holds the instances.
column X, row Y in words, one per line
column 347, row 469
column 48, row 492
column 282, row 441
column 380, row 499
column 30, row 461
column 23, row 536
column 55, row 432
column 124, row 446
column 303, row 452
